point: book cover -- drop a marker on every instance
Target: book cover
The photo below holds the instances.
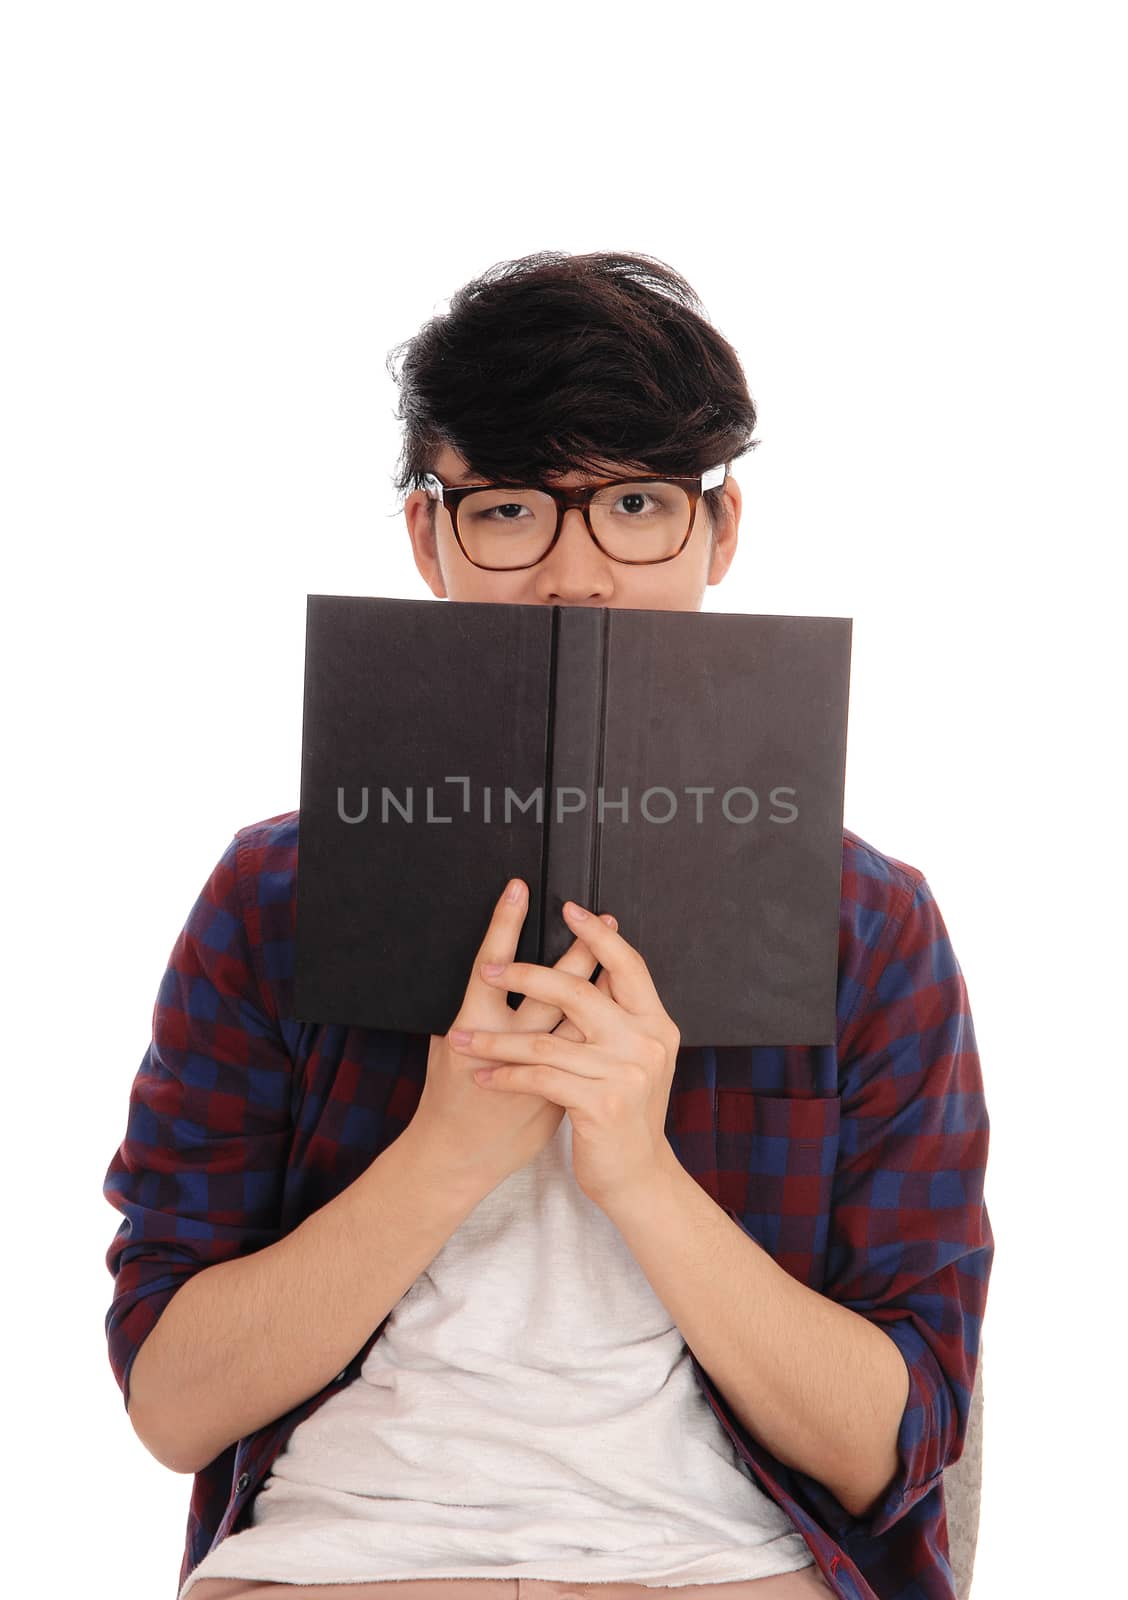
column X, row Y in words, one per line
column 683, row 770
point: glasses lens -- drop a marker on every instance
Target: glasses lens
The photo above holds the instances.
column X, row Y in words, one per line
column 506, row 527
column 641, row 521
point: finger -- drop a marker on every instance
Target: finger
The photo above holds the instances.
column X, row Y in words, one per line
column 577, row 998
column 567, row 1029
column 535, row 1049
column 485, row 1000
column 568, row 1089
column 631, row 985
column 535, row 1015
column 499, row 945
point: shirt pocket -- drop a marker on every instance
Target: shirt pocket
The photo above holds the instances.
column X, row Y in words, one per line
column 776, row 1157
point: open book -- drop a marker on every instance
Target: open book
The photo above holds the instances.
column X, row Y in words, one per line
column 682, row 770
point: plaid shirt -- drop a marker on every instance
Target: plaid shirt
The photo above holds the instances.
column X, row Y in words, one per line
column 858, row 1166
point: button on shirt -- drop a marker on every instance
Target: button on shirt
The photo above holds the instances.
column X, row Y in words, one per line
column 858, row 1166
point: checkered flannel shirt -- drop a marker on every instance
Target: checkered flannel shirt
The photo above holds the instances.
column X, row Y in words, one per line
column 858, row 1166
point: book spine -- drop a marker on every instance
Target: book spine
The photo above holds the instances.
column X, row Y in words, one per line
column 574, row 770
column 604, row 657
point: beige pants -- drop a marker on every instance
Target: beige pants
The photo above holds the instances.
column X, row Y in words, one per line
column 806, row 1584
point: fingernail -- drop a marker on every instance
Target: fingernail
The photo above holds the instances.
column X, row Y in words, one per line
column 459, row 1036
column 577, row 912
column 608, row 919
column 514, row 890
column 492, row 968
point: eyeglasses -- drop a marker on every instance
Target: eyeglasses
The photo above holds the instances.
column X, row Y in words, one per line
column 638, row 521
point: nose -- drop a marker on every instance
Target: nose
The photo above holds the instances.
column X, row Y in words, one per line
column 575, row 571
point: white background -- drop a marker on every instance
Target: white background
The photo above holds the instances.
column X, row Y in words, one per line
column 909, row 222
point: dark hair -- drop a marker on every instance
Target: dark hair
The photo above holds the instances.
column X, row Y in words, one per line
column 557, row 363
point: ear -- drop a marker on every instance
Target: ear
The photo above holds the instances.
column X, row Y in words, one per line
column 421, row 522
column 725, row 532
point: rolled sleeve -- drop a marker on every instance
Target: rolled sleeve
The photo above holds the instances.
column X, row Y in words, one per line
column 911, row 1245
column 198, row 1176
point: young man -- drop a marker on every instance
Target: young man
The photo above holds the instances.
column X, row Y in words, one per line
column 623, row 1313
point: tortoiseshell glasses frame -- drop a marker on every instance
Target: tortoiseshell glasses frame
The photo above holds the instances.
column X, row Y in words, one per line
column 578, row 499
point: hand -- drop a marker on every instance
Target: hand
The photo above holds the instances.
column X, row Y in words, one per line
column 480, row 1140
column 614, row 1081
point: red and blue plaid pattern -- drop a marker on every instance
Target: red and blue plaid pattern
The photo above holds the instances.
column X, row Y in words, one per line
column 858, row 1166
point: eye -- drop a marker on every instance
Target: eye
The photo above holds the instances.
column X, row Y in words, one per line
column 635, row 498
column 502, row 511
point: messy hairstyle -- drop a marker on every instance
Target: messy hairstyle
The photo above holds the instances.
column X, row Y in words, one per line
column 558, row 363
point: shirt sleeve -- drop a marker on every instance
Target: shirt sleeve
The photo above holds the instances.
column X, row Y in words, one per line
column 911, row 1243
column 199, row 1174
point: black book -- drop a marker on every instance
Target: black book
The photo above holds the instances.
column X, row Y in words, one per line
column 682, row 770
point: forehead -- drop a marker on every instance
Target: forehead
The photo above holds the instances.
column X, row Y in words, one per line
column 452, row 468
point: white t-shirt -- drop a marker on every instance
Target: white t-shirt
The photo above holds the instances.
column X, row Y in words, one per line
column 530, row 1411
